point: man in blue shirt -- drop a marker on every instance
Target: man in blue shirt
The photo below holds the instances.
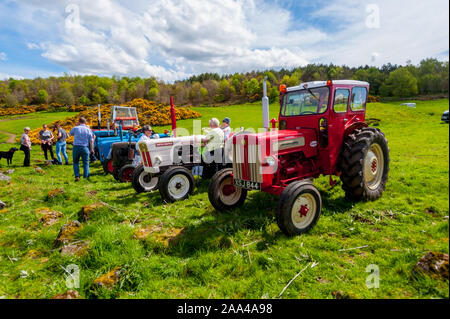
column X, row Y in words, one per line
column 82, row 146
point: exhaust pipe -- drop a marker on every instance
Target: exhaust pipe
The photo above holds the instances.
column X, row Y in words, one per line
column 265, row 106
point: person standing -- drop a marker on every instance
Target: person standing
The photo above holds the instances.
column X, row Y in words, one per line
column 46, row 137
column 25, row 146
column 83, row 145
column 61, row 136
column 226, row 127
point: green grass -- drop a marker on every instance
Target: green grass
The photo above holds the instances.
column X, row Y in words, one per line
column 241, row 254
column 15, row 124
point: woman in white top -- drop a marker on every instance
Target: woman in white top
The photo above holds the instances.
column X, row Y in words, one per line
column 25, row 146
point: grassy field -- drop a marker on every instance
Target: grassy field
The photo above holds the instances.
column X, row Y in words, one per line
column 192, row 251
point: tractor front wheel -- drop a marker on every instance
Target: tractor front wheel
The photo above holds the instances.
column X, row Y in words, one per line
column 176, row 184
column 126, row 173
column 108, row 166
column 222, row 194
column 299, row 208
column 143, row 181
column 364, row 164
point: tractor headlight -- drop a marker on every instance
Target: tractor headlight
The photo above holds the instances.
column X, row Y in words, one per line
column 270, row 161
column 158, row 160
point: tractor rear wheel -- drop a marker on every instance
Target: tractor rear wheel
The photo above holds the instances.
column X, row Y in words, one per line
column 222, row 194
column 364, row 164
column 126, row 173
column 143, row 181
column 108, row 166
column 176, row 184
column 299, row 208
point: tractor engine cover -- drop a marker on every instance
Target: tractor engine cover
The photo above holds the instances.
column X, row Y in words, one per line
column 256, row 156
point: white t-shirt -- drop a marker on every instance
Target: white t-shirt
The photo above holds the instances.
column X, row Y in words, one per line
column 226, row 132
column 216, row 138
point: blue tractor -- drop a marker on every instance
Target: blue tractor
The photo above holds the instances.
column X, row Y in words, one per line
column 114, row 147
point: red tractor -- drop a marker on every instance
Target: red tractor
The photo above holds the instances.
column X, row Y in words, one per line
column 322, row 131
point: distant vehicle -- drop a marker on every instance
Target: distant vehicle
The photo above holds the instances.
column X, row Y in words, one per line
column 444, row 117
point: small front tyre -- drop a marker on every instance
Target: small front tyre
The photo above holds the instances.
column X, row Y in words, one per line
column 176, row 184
column 299, row 208
column 222, row 194
column 143, row 181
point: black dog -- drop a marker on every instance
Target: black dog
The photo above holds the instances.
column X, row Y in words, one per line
column 8, row 155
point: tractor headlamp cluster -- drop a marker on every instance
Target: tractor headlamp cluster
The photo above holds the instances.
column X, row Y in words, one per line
column 158, row 160
column 270, row 161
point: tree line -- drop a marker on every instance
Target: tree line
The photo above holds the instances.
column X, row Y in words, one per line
column 429, row 77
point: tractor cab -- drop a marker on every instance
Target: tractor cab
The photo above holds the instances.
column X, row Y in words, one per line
column 126, row 117
column 331, row 109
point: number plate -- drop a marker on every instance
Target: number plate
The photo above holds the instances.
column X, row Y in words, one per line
column 247, row 184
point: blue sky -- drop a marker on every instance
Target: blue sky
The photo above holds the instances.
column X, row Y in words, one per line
column 173, row 39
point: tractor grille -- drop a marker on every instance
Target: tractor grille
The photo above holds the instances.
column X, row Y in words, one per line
column 246, row 163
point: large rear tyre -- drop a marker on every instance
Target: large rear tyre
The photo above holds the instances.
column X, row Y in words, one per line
column 108, row 166
column 364, row 164
column 299, row 208
column 222, row 194
column 126, row 173
column 176, row 184
column 143, row 181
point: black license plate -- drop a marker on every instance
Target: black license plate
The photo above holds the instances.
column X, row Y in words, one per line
column 247, row 184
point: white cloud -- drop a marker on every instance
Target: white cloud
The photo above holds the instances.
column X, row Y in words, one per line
column 172, row 39
column 409, row 30
column 3, row 56
column 5, row 76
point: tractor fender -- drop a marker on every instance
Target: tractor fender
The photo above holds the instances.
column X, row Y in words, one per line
column 354, row 126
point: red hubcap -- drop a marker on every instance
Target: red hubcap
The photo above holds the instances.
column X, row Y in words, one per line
column 303, row 210
column 374, row 166
column 127, row 175
column 228, row 190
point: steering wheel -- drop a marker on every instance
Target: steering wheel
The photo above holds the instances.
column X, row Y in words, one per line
column 308, row 112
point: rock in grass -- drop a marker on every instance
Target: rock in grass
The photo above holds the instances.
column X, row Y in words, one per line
column 2, row 204
column 48, row 217
column 55, row 192
column 87, row 211
column 109, row 279
column 39, row 170
column 67, row 232
column 34, row 254
column 69, row 294
column 4, row 177
column 142, row 233
column 434, row 264
column 74, row 249
column 9, row 171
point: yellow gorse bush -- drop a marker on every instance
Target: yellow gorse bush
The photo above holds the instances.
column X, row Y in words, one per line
column 148, row 112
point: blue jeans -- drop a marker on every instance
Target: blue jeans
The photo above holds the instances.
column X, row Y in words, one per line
column 84, row 152
column 61, row 147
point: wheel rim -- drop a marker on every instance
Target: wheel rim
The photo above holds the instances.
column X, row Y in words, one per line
column 303, row 210
column 127, row 174
column 147, row 181
column 110, row 166
column 229, row 195
column 373, row 166
column 178, row 186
